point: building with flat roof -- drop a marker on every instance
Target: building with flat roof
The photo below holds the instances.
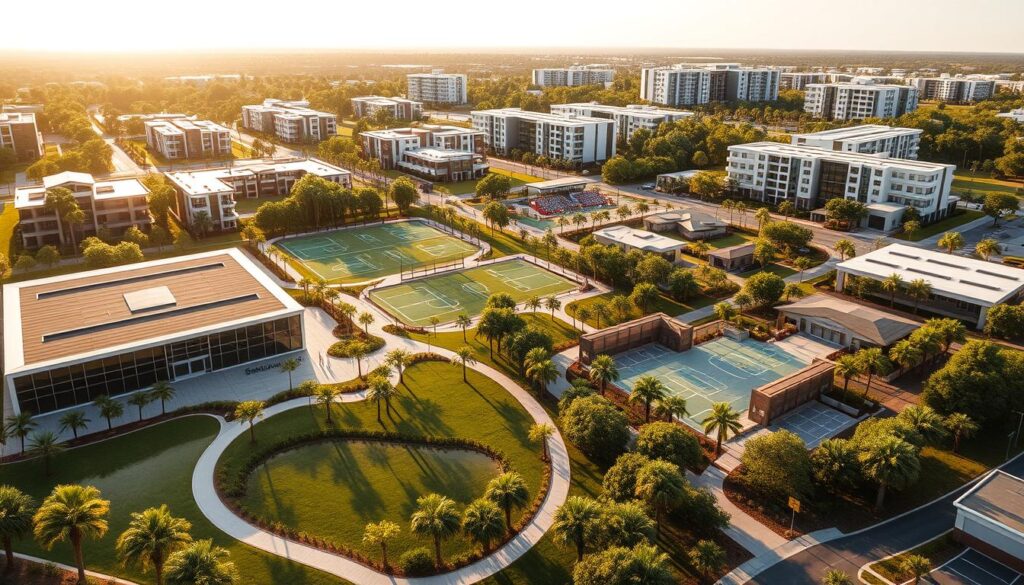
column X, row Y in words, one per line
column 18, row 131
column 559, row 186
column 578, row 139
column 431, row 151
column 675, row 181
column 628, row 238
column 809, row 177
column 800, row 80
column 399, row 108
column 961, row 287
column 844, row 323
column 574, row 76
column 867, row 139
column 1010, row 86
column 1015, row 115
column 112, row 205
column 954, row 89
column 689, row 84
column 628, row 119
column 692, row 225
column 856, row 101
column 291, row 121
column 184, row 137
column 216, row 190
column 989, row 518
column 437, row 87
column 69, row 339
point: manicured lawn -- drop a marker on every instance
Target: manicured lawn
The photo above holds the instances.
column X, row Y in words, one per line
column 434, row 401
column 467, row 187
column 246, row 205
column 663, row 305
column 773, row 267
column 952, row 222
column 139, row 470
column 981, row 183
column 733, row 239
column 8, row 221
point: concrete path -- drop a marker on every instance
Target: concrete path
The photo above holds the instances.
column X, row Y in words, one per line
column 105, row 579
column 745, row 530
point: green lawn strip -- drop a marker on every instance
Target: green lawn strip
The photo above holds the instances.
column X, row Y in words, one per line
column 247, row 205
column 8, row 221
column 773, row 267
column 662, row 305
column 147, row 468
column 433, row 402
column 938, row 551
column 952, row 222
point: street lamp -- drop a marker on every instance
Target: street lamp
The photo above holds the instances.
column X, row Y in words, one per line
column 1009, row 444
column 1020, row 422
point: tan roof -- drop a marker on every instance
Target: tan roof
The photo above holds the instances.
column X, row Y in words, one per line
column 737, row 251
column 868, row 323
column 797, row 377
column 999, row 498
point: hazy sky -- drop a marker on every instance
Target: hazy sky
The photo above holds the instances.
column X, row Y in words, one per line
column 110, row 25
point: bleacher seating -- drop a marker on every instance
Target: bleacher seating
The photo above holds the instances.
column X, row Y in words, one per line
column 560, row 204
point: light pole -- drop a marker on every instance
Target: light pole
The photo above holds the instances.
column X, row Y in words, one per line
column 1009, row 444
column 1020, row 422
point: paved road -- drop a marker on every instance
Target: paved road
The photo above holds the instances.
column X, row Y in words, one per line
column 851, row 552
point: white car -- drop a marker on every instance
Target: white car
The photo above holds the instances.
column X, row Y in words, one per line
column 648, row 187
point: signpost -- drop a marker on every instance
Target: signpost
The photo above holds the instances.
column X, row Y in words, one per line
column 794, row 505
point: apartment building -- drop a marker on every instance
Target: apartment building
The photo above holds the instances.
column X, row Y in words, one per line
column 114, row 205
column 867, row 139
column 810, row 176
column 574, row 76
column 437, row 87
column 18, row 131
column 399, row 108
column 184, row 138
column 688, row 84
column 579, row 139
column 954, row 89
column 628, row 119
column 291, row 121
column 800, row 80
column 1010, row 86
column 433, row 152
column 855, row 101
column 216, row 190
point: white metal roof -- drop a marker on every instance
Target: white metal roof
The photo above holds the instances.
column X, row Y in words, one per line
column 640, row 239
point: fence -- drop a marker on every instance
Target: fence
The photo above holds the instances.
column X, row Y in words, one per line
column 420, row 270
column 657, row 328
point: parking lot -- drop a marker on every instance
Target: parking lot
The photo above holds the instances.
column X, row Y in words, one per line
column 973, row 568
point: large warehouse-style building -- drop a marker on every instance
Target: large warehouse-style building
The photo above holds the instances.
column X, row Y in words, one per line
column 69, row 339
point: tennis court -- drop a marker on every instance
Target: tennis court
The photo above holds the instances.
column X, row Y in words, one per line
column 365, row 253
column 450, row 294
column 720, row 370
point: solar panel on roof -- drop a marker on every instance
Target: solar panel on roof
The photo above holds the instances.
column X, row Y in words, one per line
column 932, row 274
column 979, row 285
column 905, row 255
column 997, row 275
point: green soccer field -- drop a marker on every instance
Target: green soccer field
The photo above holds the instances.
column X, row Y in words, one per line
column 366, row 253
column 448, row 295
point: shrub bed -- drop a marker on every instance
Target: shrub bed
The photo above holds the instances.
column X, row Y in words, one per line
column 343, row 347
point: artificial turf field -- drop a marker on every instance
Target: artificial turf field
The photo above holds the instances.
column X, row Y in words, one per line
column 450, row 294
column 366, row 253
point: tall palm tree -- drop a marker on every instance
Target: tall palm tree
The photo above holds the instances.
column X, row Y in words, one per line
column 16, row 509
column 577, row 522
column 366, row 319
column 873, row 361
column 399, row 359
column 892, row 285
column 661, row 485
column 162, row 391
column 723, row 421
column 437, row 518
column 74, row 420
column 892, row 462
column 140, row 400
column 951, row 241
column 845, row 248
column 358, row 351
column 464, row 357
column 603, row 371
column 672, row 406
column 542, row 373
column 380, row 533
column 533, row 303
column 918, row 289
column 553, row 304
column 200, row 562
column 152, row 536
column 288, row 366
column 906, row 354
column 583, row 314
column 20, row 425
column 928, row 423
column 71, row 513
column 380, row 390
column 950, row 331
column 540, row 433
column 986, row 248
column 463, row 321
column 325, row 395
column 109, row 409
column 648, row 390
column 202, row 223
column 481, row 521
column 249, row 412
column 960, row 426
column 763, row 216
column 46, row 446
column 509, row 491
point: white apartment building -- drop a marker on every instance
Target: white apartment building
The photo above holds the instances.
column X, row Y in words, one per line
column 182, row 138
column 1015, row 115
column 867, row 139
column 433, row 152
column 291, row 121
column 574, row 76
column 854, row 101
column 809, row 177
column 578, row 139
column 1010, row 86
column 954, row 89
column 437, row 87
column 800, row 80
column 688, row 84
column 628, row 119
column 399, row 108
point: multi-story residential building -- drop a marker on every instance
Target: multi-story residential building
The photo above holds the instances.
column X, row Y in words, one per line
column 181, row 138
column 216, row 190
column 573, row 76
column 114, row 205
column 433, row 152
column 809, row 177
column 291, row 121
column 437, row 87
column 1010, row 86
column 399, row 108
column 854, row 101
column 627, row 119
column 688, row 84
column 18, row 131
column 578, row 139
column 800, row 80
column 867, row 138
column 954, row 89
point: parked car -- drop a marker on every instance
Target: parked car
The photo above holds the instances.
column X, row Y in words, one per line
column 648, row 187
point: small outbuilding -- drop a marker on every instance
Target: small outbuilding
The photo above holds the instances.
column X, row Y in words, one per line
column 990, row 518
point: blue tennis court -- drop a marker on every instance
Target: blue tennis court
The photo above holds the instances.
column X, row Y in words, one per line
column 720, row 370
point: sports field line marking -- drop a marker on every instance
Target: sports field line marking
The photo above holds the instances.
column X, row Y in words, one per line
column 410, row 319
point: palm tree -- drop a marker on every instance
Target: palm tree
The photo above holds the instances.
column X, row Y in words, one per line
column 74, row 420
column 140, row 400
column 482, row 522
column 509, row 491
column 951, row 331
column 201, row 562
column 380, row 390
column 892, row 285
column 836, row 577
column 928, row 423
column 19, row 425
column 380, row 533
column 672, row 406
column 848, row 366
column 700, row 248
column 577, row 521
column 16, row 509
column 845, row 248
column 358, row 351
column 109, row 409
column 918, row 566
column 647, row 390
column 892, row 462
column 435, row 517
column 724, row 311
column 399, row 359
column 249, row 412
column 152, row 535
column 601, row 312
column 762, row 216
column 463, row 321
column 951, row 241
column 45, row 445
column 542, row 373
column 325, row 395
column 986, row 248
column 802, row 263
column 288, row 366
column 906, row 354
column 464, row 357
column 162, row 391
column 71, row 513
column 540, row 433
column 873, row 361
column 707, row 558
column 583, row 314
column 723, row 421
column 661, row 485
column 960, row 426
column 533, row 303
column 553, row 304
column 366, row 319
column 603, row 371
